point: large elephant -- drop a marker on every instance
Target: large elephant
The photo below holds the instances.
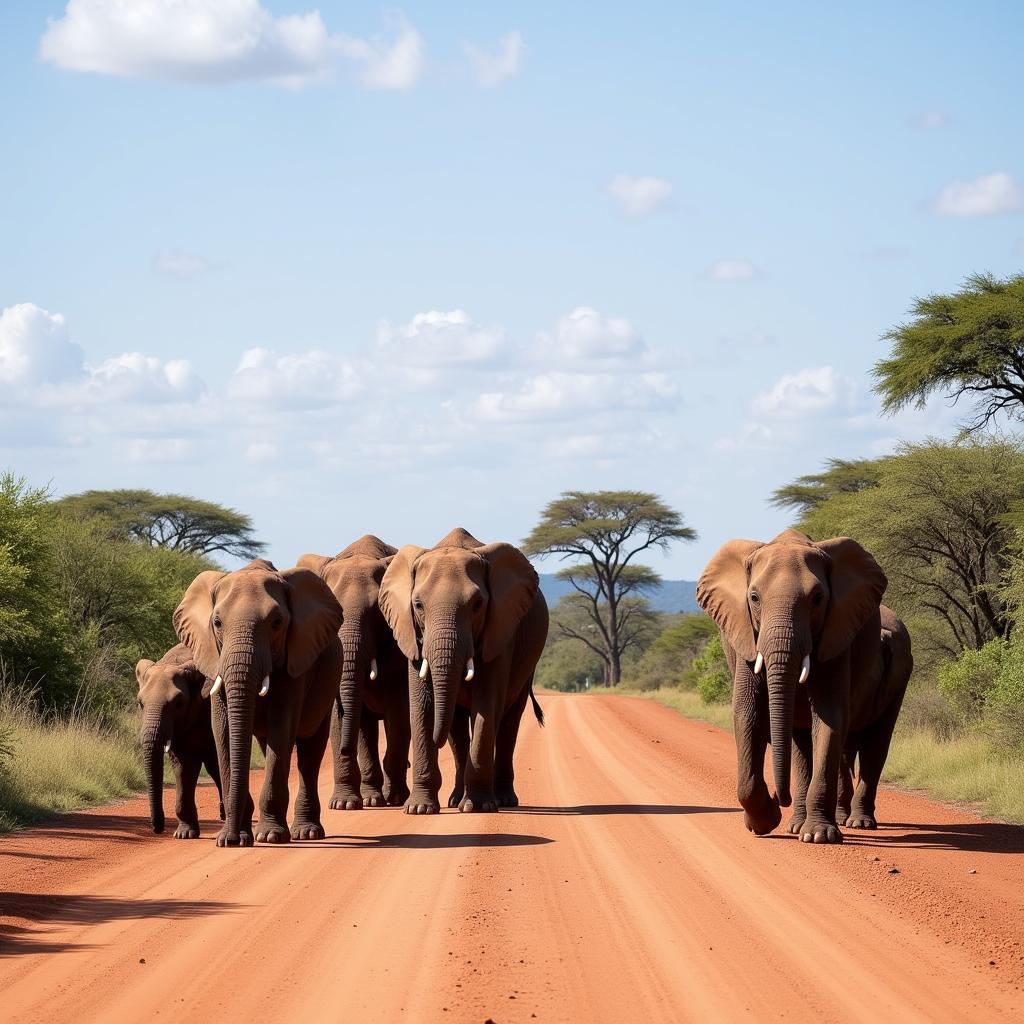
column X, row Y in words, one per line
column 794, row 612
column 374, row 687
column 259, row 633
column 472, row 622
column 175, row 720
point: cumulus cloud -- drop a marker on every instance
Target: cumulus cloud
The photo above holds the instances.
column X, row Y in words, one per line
column 985, row 196
column 492, row 68
column 299, row 380
column 732, row 270
column 134, row 377
column 183, row 265
column 639, row 196
column 806, row 393
column 35, row 347
column 386, row 64
column 585, row 334
column 435, row 340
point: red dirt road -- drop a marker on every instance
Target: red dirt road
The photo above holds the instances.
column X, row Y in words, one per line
column 626, row 889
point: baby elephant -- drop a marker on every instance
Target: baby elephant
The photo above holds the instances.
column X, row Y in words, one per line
column 176, row 720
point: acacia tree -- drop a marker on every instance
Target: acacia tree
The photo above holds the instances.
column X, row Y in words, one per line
column 839, row 476
column 970, row 343
column 605, row 531
column 173, row 521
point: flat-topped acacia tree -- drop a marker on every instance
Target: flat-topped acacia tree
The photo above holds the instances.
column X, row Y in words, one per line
column 604, row 531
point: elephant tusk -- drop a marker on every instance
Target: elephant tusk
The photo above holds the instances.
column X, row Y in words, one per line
column 424, row 669
column 805, row 669
column 470, row 671
column 758, row 663
column 373, row 669
column 265, row 686
column 167, row 747
column 217, row 683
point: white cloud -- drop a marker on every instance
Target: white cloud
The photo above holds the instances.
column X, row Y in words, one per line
column 492, row 68
column 35, row 347
column 985, row 196
column 435, row 340
column 134, row 377
column 202, row 41
column 300, row 380
column 930, row 120
column 585, row 334
column 804, row 394
column 639, row 196
column 383, row 64
column 732, row 270
column 183, row 265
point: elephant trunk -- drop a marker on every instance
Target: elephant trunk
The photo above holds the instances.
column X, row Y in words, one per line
column 242, row 677
column 783, row 659
column 154, row 736
column 354, row 673
column 447, row 660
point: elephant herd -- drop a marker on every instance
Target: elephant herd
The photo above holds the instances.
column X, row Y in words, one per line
column 441, row 644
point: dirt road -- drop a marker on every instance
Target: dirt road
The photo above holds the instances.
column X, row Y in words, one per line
column 626, row 890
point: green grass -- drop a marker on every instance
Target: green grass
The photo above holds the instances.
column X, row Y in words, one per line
column 966, row 768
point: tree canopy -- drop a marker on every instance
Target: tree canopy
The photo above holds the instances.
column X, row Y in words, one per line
column 969, row 343
column 604, row 531
column 173, row 521
column 840, row 476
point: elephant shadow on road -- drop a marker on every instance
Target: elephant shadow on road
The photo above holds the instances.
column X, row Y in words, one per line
column 597, row 809
column 31, row 917
column 420, row 841
column 967, row 837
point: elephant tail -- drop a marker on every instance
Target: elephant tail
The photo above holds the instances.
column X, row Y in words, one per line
column 537, row 709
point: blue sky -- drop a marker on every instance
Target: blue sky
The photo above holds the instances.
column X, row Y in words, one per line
column 397, row 270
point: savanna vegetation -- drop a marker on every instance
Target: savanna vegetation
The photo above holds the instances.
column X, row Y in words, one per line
column 88, row 584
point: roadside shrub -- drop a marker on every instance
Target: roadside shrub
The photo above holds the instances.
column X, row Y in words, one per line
column 967, row 682
column 710, row 674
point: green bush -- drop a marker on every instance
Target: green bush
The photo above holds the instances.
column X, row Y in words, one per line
column 967, row 682
column 709, row 674
column 672, row 652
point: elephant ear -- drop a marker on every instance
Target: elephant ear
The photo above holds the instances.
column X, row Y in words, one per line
column 142, row 668
column 857, row 583
column 722, row 593
column 192, row 621
column 316, row 563
column 395, row 599
column 513, row 584
column 316, row 618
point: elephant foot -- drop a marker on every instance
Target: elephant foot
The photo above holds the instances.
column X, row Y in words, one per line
column 396, row 796
column 373, row 797
column 345, row 799
column 860, row 819
column 817, row 830
column 765, row 819
column 307, row 830
column 422, row 802
column 230, row 837
column 186, row 831
column 457, row 794
column 268, row 831
column 795, row 825
column 478, row 802
column 506, row 797
column 843, row 811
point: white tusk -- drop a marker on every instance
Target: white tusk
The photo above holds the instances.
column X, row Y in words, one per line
column 423, row 669
column 758, row 663
column 217, row 683
column 373, row 669
column 167, row 747
column 805, row 669
column 470, row 671
column 265, row 686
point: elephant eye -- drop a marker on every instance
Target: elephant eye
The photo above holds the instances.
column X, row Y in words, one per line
column 277, row 621
column 216, row 622
column 753, row 597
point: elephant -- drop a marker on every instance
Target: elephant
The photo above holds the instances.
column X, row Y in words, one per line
column 259, row 633
column 374, row 687
column 819, row 666
column 175, row 720
column 471, row 622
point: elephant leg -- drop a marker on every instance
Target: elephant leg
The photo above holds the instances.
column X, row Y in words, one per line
column 845, row 803
column 459, row 742
column 309, row 755
column 221, row 739
column 396, row 754
column 761, row 813
column 874, row 749
column 504, row 749
column 479, row 776
column 426, row 775
column 273, row 824
column 370, row 771
column 186, row 773
column 346, row 795
column 802, row 769
column 829, row 710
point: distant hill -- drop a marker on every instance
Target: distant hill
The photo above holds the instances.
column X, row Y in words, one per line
column 670, row 596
